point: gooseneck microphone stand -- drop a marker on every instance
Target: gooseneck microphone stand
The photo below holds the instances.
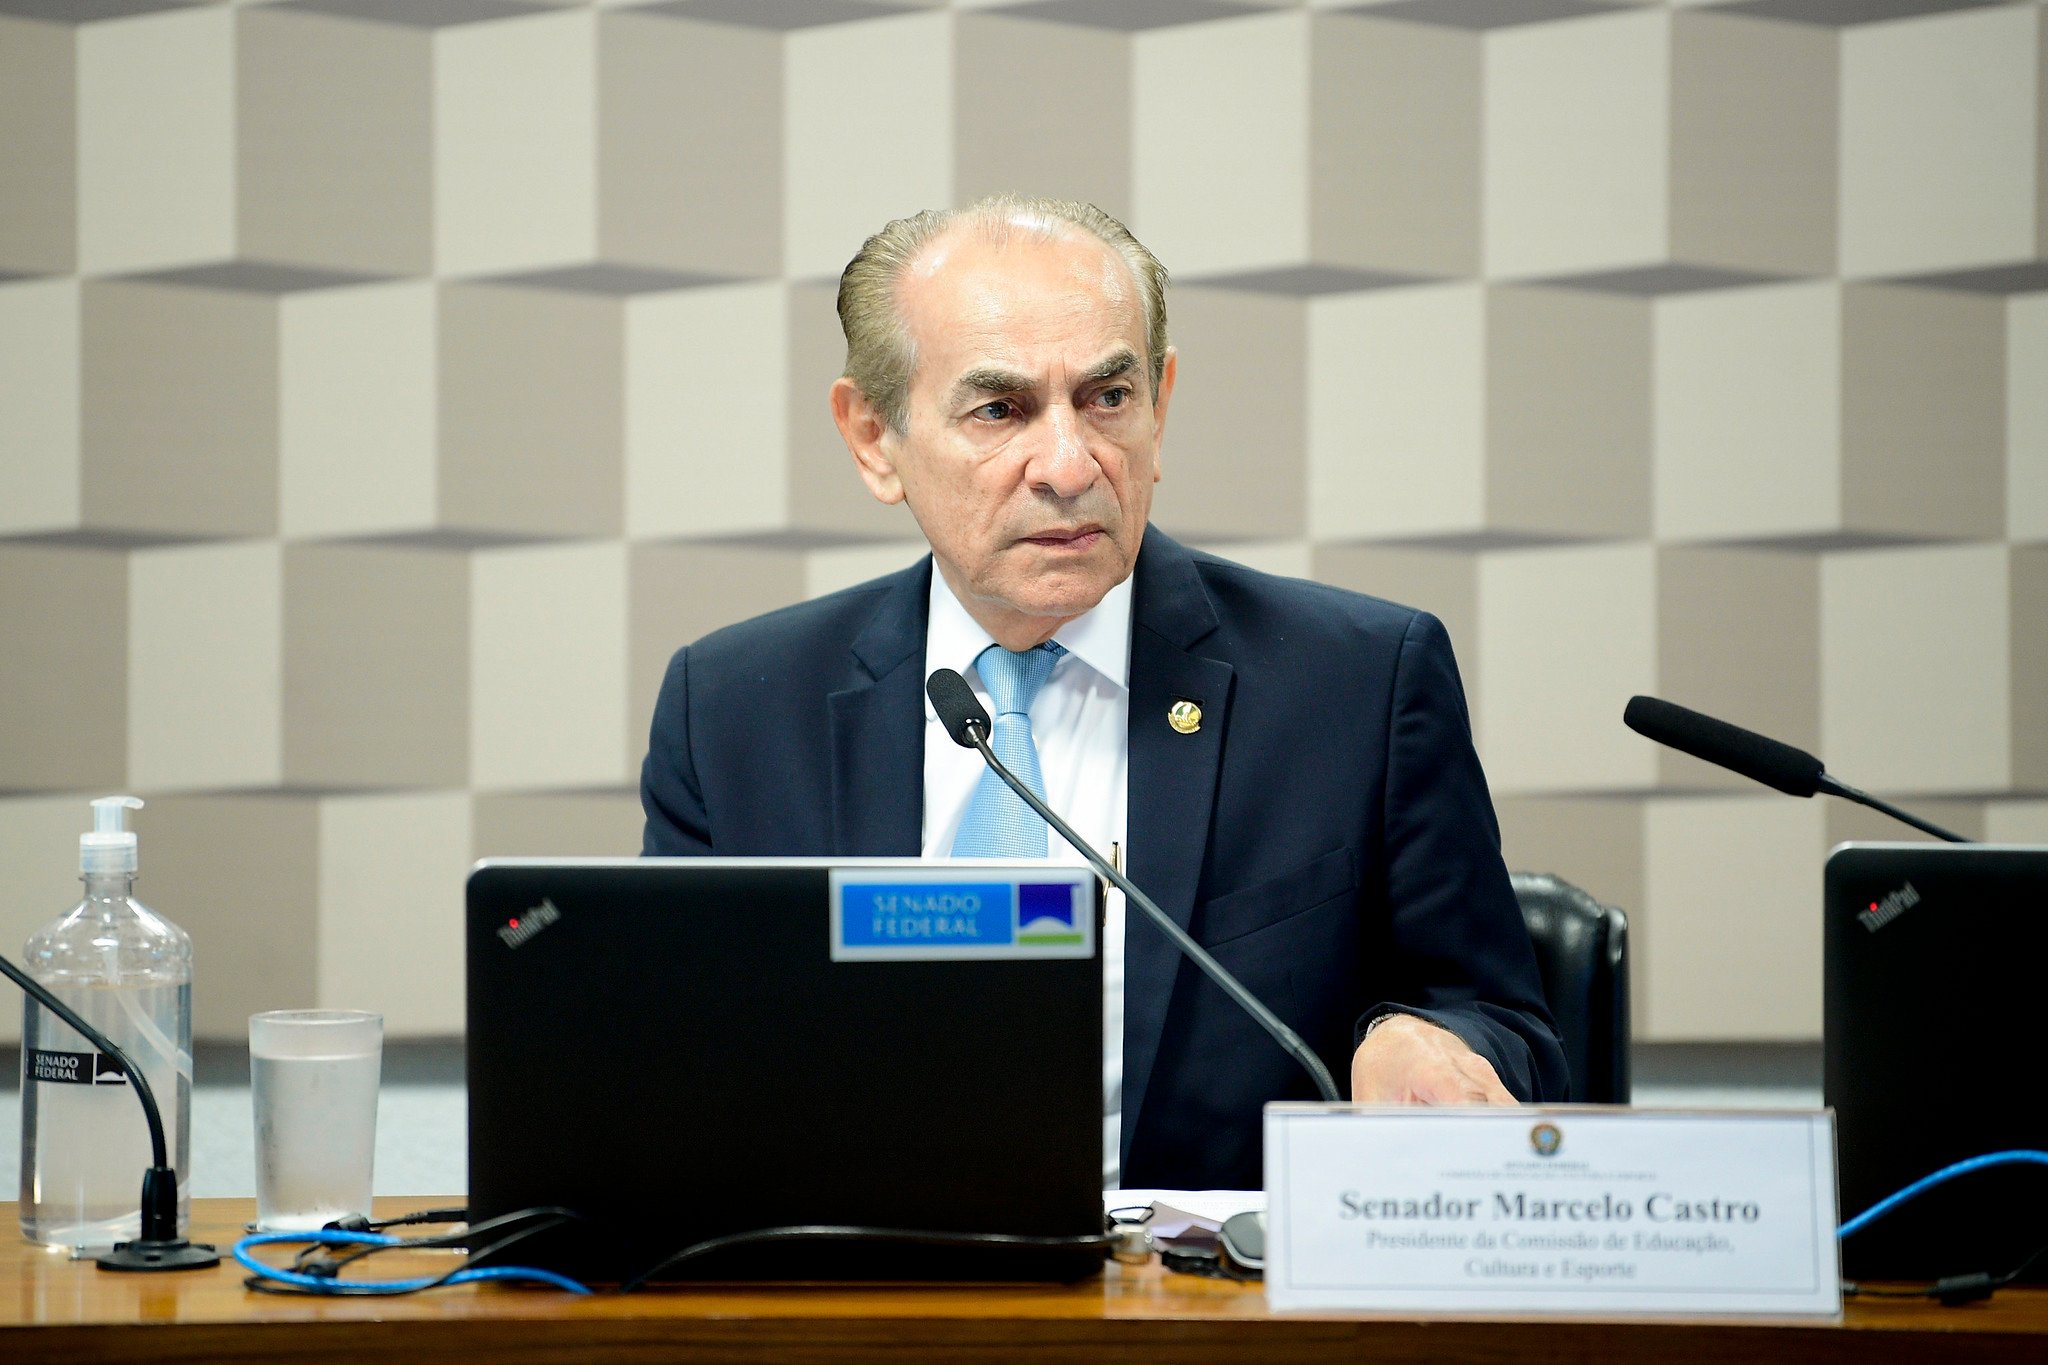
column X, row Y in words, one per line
column 968, row 724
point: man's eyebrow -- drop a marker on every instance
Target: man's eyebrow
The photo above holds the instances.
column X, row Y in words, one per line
column 989, row 380
column 1122, row 362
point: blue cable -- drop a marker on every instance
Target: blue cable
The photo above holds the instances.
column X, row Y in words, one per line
column 336, row 1237
column 1926, row 1183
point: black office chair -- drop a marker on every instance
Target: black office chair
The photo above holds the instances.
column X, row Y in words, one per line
column 1582, row 952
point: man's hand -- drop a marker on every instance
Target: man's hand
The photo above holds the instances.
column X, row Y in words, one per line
column 1406, row 1060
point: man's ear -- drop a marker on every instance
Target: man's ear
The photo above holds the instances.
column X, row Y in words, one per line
column 1167, row 374
column 869, row 438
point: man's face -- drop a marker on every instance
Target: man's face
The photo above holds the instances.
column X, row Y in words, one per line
column 1032, row 436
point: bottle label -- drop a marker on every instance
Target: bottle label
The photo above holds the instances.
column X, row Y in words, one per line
column 75, row 1068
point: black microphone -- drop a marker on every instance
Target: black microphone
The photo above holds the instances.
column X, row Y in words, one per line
column 1757, row 757
column 159, row 1247
column 961, row 712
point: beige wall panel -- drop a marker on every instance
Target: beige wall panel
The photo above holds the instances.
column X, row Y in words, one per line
column 1397, row 412
column 1576, row 145
column 1938, row 161
column 829, row 570
column 532, row 410
column 38, row 146
column 39, row 444
column 2030, row 667
column 1234, row 461
column 241, row 874
column 1568, row 425
column 689, row 144
column 1286, row 558
column 827, row 500
column 335, row 141
column 391, row 909
column 180, row 409
column 1566, row 637
column 1595, row 844
column 706, row 398
column 156, row 140
column 356, row 422
column 1747, row 412
column 63, row 669
column 2026, row 417
column 680, row 593
column 206, row 667
column 1220, row 143
column 1923, row 411
column 376, row 667
column 559, row 825
column 548, row 654
column 1733, row 943
column 1072, row 136
column 1444, row 583
column 515, row 143
column 1394, row 146
column 1754, row 110
column 1916, row 669
column 1738, row 637
column 2016, row 822
column 867, row 133
column 39, row 867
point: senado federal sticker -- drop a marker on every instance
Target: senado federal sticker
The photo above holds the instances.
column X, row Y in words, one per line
column 911, row 915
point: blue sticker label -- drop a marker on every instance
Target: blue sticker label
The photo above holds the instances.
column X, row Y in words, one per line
column 960, row 914
column 902, row 915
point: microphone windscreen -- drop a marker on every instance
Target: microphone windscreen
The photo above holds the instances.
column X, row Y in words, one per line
column 957, row 705
column 1792, row 771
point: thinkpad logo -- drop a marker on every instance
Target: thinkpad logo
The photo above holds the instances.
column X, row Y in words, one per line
column 520, row 928
column 1883, row 912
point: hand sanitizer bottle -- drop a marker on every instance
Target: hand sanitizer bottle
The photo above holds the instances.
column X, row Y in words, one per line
column 128, row 972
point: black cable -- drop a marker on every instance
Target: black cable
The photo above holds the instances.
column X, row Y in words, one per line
column 836, row 1232
column 324, row 1261
column 1950, row 1290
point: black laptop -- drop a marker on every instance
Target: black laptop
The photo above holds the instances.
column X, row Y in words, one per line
column 1937, row 996
column 680, row 1049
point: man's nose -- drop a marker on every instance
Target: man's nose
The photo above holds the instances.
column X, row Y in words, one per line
column 1061, row 463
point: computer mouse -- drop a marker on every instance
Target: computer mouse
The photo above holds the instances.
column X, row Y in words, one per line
column 1242, row 1244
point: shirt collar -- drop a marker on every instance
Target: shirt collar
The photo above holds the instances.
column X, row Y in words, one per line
column 1099, row 637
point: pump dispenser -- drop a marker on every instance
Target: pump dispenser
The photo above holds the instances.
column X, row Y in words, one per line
column 128, row 972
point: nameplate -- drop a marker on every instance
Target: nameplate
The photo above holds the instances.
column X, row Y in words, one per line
column 914, row 915
column 1551, row 1210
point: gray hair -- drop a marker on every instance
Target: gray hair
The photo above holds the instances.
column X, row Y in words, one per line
column 880, row 355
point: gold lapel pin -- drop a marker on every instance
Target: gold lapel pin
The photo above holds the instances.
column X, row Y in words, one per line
column 1184, row 716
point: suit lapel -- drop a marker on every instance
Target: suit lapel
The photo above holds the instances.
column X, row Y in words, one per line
column 1173, row 785
column 878, row 730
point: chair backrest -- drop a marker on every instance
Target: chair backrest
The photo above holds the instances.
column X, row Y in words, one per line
column 1582, row 952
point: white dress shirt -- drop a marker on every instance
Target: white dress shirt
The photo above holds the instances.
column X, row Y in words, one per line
column 1079, row 721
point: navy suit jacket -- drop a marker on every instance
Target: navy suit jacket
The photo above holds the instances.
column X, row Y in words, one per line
column 1326, row 833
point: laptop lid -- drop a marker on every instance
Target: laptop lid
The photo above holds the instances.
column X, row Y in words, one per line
column 685, row 1048
column 1936, row 976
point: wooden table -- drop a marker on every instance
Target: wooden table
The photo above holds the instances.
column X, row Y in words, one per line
column 52, row 1308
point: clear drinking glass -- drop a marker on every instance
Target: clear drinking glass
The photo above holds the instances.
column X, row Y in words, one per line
column 313, row 1080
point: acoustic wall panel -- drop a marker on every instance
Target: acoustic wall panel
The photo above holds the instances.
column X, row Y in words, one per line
column 38, row 146
column 41, row 478
column 388, row 387
column 156, row 141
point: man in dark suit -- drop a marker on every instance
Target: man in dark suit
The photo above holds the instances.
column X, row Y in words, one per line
column 1301, row 789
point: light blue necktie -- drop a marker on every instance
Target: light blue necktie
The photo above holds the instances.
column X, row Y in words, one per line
column 998, row 824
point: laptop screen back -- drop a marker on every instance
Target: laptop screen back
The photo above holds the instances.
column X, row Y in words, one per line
column 680, row 1049
column 1937, row 984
